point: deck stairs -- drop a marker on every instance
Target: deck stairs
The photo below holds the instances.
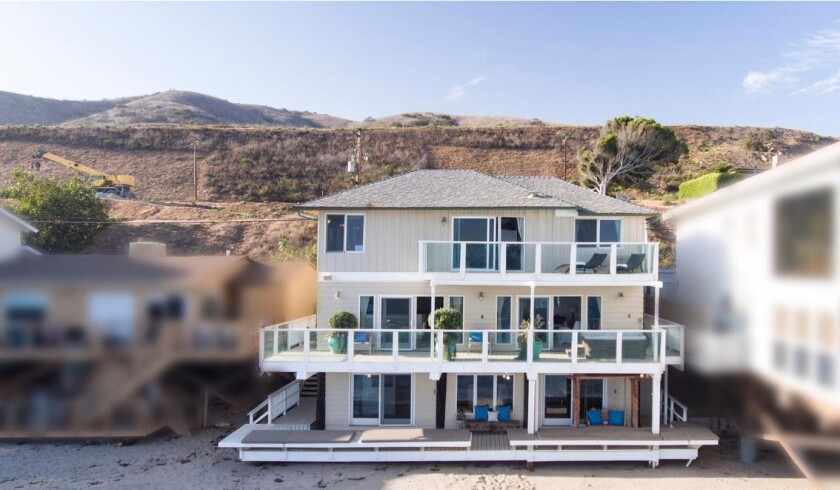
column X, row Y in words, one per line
column 309, row 388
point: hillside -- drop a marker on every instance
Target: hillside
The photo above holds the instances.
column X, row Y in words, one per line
column 238, row 166
column 26, row 109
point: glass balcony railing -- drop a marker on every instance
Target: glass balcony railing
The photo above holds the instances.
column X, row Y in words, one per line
column 316, row 345
column 539, row 258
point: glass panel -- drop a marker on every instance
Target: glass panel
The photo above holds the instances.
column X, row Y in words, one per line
column 566, row 313
column 510, row 230
column 804, row 235
column 423, row 311
column 593, row 259
column 479, row 256
column 504, row 391
column 638, row 347
column 457, row 303
column 610, row 230
column 521, row 257
column 598, row 346
column 396, row 315
column 586, row 230
column 558, row 398
column 556, row 258
column 355, row 233
column 484, row 390
column 335, row 233
column 503, row 319
column 365, row 396
column 635, row 258
column 465, row 385
column 440, row 257
column 593, row 313
column 396, row 399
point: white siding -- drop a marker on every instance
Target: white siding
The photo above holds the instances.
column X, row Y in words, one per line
column 392, row 236
column 337, row 393
column 425, row 401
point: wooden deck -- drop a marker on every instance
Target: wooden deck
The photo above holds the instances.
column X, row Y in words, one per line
column 417, row 445
column 300, row 417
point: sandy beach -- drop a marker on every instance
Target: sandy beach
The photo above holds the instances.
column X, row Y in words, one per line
column 165, row 461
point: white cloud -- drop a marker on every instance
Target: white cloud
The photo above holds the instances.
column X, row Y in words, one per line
column 805, row 60
column 458, row 91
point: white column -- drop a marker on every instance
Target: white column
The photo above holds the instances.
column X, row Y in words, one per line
column 532, row 405
column 432, row 321
column 656, row 307
column 533, row 287
column 665, row 404
column 656, row 403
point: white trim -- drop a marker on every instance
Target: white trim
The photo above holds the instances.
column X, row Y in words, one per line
column 564, row 422
column 23, row 225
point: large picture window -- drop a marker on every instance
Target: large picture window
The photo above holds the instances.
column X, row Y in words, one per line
column 598, row 230
column 345, row 233
column 804, row 235
column 484, row 389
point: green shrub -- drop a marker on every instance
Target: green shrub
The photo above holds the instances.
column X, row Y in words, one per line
column 721, row 168
column 343, row 320
column 706, row 184
column 447, row 319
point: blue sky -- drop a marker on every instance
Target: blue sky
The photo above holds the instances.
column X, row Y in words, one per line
column 775, row 64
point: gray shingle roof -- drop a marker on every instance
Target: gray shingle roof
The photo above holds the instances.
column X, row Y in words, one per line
column 584, row 199
column 428, row 189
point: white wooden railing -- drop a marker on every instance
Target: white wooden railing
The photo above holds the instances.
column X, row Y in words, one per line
column 276, row 405
column 675, row 410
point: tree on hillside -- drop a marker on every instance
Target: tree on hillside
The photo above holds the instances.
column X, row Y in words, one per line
column 67, row 214
column 626, row 151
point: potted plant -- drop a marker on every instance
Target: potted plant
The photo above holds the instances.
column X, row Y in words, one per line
column 447, row 319
column 341, row 320
column 522, row 337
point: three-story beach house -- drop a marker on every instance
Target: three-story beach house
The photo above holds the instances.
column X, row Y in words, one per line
column 585, row 383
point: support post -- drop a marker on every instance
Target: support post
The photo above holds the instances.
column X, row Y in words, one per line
column 432, row 319
column 666, row 412
column 634, row 389
column 576, row 404
column 532, row 403
column 656, row 403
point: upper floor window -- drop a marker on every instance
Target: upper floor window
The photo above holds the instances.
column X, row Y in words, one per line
column 596, row 230
column 804, row 235
column 345, row 233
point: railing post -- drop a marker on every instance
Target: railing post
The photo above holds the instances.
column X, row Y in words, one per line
column 573, row 259
column 613, row 258
column 395, row 346
column 537, row 258
column 306, row 347
column 351, row 346
column 655, row 258
column 503, row 257
column 463, row 252
column 531, row 344
column 276, row 340
column 574, row 346
column 619, row 352
column 439, row 345
column 484, row 346
column 662, row 341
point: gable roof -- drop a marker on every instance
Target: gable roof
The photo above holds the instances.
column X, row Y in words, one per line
column 458, row 189
column 23, row 225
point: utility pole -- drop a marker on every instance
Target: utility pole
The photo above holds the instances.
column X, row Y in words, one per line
column 195, row 170
column 565, row 164
column 357, row 156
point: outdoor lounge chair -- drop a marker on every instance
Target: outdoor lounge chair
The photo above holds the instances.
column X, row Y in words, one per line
column 593, row 263
column 474, row 338
column 635, row 261
column 365, row 339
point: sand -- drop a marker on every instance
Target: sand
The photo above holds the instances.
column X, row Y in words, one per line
column 164, row 461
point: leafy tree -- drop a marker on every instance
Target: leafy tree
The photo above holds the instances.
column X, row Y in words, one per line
column 626, row 151
column 67, row 214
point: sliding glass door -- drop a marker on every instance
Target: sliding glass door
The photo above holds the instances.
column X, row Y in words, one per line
column 395, row 315
column 541, row 306
column 479, row 256
column 382, row 399
column 557, row 400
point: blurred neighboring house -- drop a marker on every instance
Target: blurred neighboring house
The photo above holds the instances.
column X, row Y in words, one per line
column 12, row 229
column 121, row 346
column 758, row 289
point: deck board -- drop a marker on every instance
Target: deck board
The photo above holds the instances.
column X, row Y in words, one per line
column 300, row 417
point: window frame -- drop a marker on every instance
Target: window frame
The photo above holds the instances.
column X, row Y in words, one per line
column 598, row 229
column 344, row 249
column 378, row 421
column 495, row 391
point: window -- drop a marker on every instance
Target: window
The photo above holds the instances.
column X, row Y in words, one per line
column 503, row 315
column 382, row 399
column 598, row 230
column 593, row 313
column 345, row 233
column 484, row 389
column 804, row 235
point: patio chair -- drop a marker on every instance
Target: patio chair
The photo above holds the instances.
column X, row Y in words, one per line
column 474, row 338
column 365, row 339
column 593, row 263
column 634, row 262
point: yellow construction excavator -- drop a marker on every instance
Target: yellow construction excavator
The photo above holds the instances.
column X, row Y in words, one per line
column 116, row 185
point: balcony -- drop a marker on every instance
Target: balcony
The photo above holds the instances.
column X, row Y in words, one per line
column 545, row 261
column 297, row 348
